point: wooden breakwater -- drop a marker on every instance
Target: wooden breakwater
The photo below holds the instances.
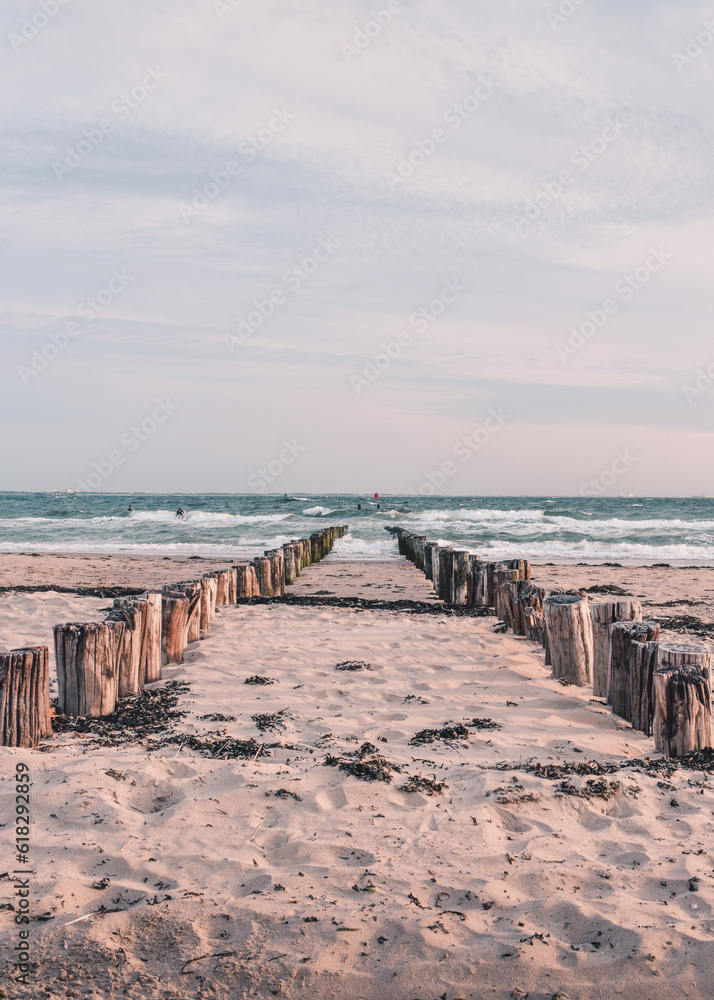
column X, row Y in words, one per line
column 663, row 689
column 100, row 662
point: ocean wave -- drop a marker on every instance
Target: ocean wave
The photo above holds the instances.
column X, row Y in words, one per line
column 318, row 511
column 364, row 549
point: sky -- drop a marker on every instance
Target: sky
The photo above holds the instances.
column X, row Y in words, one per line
column 397, row 246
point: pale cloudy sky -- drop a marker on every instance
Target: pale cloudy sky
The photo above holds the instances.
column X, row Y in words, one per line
column 582, row 146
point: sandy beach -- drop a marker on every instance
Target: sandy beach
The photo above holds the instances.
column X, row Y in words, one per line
column 514, row 840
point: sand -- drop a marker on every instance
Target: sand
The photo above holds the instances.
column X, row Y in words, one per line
column 312, row 883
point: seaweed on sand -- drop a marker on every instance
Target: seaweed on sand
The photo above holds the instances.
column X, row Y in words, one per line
column 366, row 764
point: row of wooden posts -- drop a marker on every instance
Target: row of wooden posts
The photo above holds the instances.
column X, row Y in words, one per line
column 99, row 662
column 662, row 688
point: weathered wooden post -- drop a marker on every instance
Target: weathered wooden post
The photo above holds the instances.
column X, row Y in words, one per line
column 263, row 572
column 247, row 581
column 151, row 649
column 643, row 662
column 519, row 595
column 209, row 588
column 461, row 564
column 683, row 704
column 129, row 656
column 534, row 621
column 501, row 577
column 192, row 590
column 446, row 574
column 277, row 571
column 174, row 626
column 604, row 615
column 24, row 697
column 428, row 557
column 289, row 563
column 232, row 585
column 570, row 637
column 623, row 634
column 87, row 667
column 222, row 588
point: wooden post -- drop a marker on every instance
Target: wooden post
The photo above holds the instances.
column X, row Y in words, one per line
column 277, row 571
column 129, row 657
column 683, row 705
column 518, row 595
column 535, row 625
column 500, row 578
column 623, row 634
column 222, row 587
column 643, row 661
column 247, row 581
column 174, row 626
column 604, row 615
column 24, row 697
column 435, row 568
column 570, row 637
column 461, row 563
column 87, row 674
column 151, row 653
column 232, row 585
column 428, row 556
column 192, row 590
column 289, row 563
column 263, row 572
column 446, row 574
column 209, row 589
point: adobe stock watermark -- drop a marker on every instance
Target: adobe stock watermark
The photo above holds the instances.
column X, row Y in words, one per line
column 696, row 46
column 131, row 440
column 464, row 449
column 564, row 10
column 625, row 289
column 292, row 280
column 120, row 108
column 265, row 477
column 582, row 158
column 248, row 149
column 598, row 486
column 702, row 383
column 33, row 25
column 363, row 36
column 88, row 310
column 454, row 116
column 420, row 321
column 225, row 7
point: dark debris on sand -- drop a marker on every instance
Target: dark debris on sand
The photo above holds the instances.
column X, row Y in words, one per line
column 452, row 731
column 217, row 717
column 219, row 746
column 371, row 604
column 608, row 588
column 513, row 794
column 418, row 783
column 258, row 679
column 148, row 714
column 688, row 625
column 102, row 592
column 367, row 764
column 271, row 722
column 353, row 665
column 594, row 788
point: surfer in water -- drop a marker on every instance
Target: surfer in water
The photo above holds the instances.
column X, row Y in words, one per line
column 130, row 508
column 180, row 514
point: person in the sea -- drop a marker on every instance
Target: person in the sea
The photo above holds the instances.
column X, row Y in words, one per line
column 180, row 513
column 130, row 508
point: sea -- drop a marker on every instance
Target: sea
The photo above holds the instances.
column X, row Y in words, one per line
column 626, row 530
